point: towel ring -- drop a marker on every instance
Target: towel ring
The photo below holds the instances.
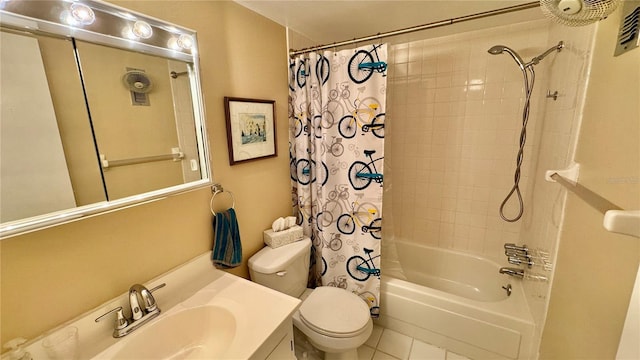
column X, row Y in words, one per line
column 233, row 200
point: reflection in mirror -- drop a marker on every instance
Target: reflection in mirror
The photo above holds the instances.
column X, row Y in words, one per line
column 96, row 114
column 48, row 160
column 140, row 113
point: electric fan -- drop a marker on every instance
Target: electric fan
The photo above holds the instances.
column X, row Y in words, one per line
column 578, row 12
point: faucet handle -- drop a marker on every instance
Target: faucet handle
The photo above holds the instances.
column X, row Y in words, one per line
column 514, row 247
column 158, row 287
column 511, row 252
column 121, row 321
column 520, row 261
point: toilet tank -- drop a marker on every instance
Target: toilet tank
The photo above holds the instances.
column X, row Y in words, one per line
column 285, row 269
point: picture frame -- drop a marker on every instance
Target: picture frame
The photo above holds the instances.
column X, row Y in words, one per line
column 251, row 129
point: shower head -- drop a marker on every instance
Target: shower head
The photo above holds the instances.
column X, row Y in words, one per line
column 499, row 49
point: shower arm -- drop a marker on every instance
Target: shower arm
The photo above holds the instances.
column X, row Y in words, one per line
column 539, row 58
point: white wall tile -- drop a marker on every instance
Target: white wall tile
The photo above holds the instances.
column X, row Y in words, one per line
column 457, row 119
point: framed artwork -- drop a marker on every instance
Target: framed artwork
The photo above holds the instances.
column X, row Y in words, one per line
column 251, row 129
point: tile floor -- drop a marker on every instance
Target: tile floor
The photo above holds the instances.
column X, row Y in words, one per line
column 383, row 344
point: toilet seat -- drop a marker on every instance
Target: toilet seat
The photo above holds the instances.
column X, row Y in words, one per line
column 335, row 313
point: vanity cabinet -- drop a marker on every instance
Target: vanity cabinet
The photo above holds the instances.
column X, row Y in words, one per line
column 279, row 346
column 285, row 349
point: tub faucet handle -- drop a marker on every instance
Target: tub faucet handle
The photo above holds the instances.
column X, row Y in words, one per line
column 520, row 261
column 517, row 253
column 514, row 247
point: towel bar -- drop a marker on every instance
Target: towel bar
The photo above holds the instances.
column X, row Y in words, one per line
column 615, row 220
column 175, row 155
column 217, row 189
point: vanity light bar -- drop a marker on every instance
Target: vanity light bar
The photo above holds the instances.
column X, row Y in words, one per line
column 98, row 21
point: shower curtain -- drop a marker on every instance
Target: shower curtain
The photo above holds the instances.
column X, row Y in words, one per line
column 336, row 145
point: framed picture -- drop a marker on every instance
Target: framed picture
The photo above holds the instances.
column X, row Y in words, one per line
column 251, row 129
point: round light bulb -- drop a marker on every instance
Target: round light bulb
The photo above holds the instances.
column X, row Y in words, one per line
column 82, row 14
column 142, row 30
column 185, row 42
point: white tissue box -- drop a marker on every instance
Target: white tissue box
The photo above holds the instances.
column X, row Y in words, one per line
column 284, row 237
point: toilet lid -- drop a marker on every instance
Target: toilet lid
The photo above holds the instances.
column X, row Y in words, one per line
column 335, row 312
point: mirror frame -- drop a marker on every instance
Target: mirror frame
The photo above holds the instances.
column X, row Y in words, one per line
column 35, row 17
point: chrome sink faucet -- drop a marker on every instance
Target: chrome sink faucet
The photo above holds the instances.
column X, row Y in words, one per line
column 139, row 293
column 143, row 308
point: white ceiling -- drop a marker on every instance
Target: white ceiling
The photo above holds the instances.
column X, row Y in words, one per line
column 325, row 22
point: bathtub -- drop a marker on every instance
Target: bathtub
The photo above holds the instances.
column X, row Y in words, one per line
column 457, row 301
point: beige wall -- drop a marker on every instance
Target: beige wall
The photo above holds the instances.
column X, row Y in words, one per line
column 53, row 275
column 72, row 268
column 596, row 269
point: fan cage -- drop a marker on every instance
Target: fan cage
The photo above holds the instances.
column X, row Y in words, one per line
column 592, row 11
column 133, row 76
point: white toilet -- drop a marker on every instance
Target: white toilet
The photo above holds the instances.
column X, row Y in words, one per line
column 334, row 320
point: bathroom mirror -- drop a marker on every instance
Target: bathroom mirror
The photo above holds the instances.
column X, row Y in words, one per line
column 101, row 109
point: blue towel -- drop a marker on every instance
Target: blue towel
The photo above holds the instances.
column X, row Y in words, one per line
column 227, row 249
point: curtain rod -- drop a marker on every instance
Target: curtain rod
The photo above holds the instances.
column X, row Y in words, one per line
column 480, row 15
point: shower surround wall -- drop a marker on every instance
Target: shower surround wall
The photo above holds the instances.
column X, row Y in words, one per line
column 554, row 148
column 455, row 114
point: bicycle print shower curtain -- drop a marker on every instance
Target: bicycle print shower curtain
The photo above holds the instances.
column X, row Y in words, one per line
column 336, row 144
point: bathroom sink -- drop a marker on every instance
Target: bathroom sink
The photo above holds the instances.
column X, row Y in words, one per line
column 206, row 314
column 204, row 332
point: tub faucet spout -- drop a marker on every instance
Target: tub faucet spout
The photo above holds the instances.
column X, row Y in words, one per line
column 518, row 273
